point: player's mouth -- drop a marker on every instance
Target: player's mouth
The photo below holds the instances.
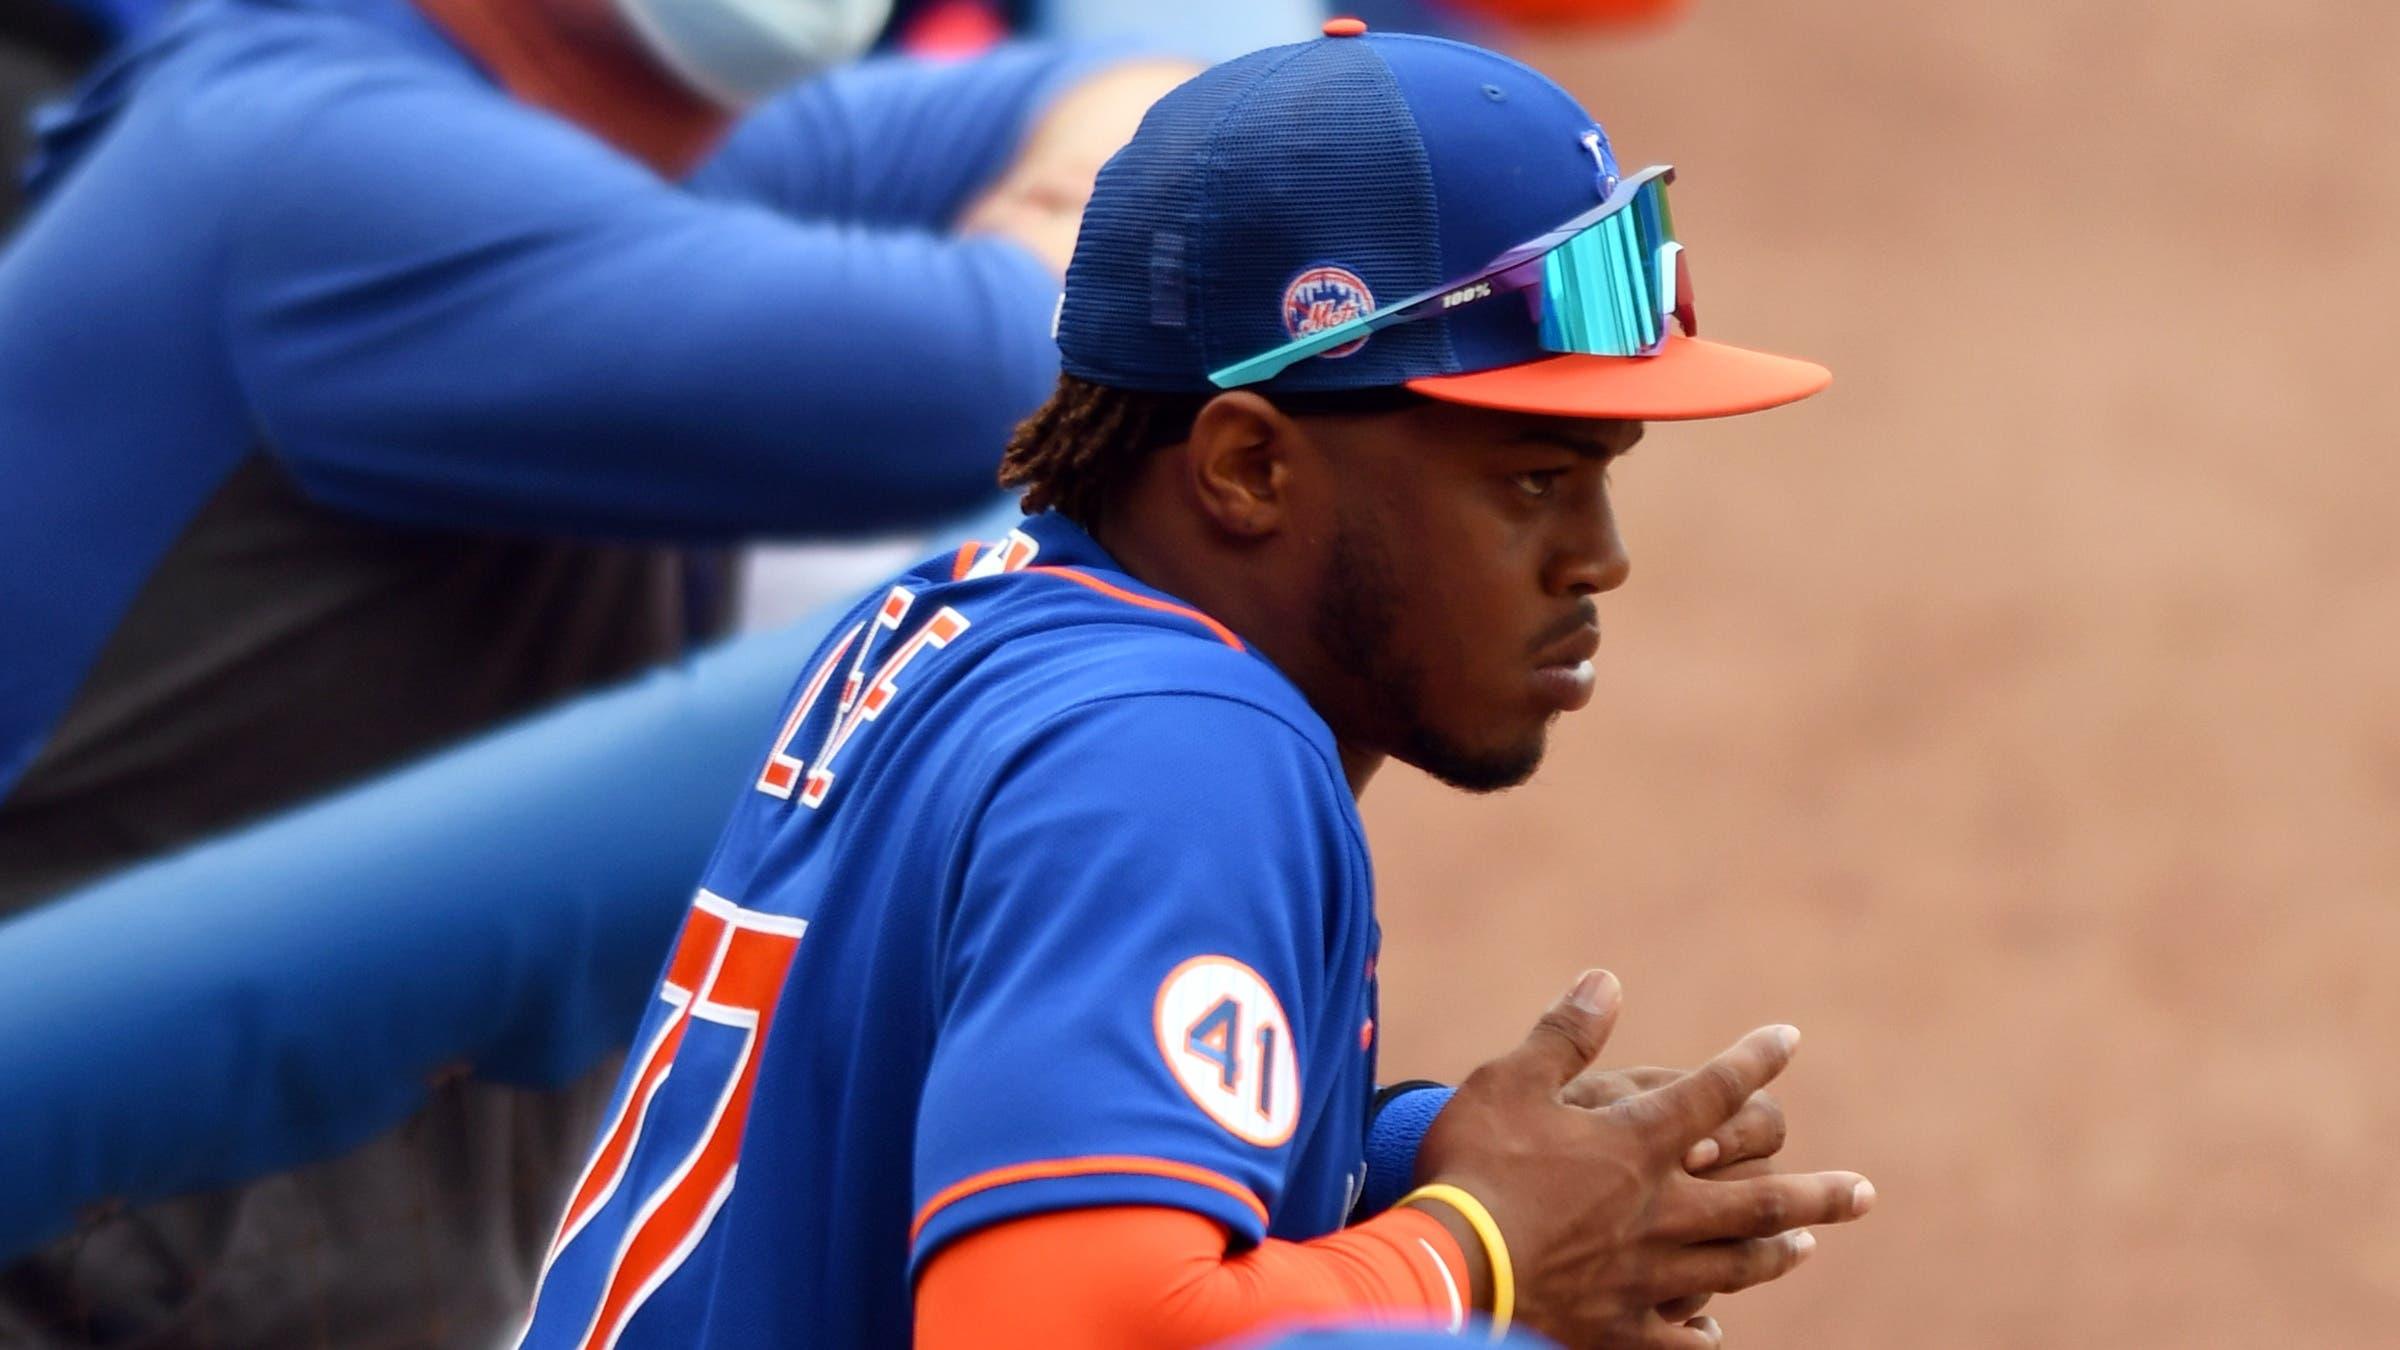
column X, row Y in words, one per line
column 1563, row 674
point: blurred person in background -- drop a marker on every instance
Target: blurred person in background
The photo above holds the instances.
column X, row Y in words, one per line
column 44, row 44
column 1216, row 31
column 1230, row 27
column 441, row 363
column 330, row 310
column 365, row 377
column 780, row 583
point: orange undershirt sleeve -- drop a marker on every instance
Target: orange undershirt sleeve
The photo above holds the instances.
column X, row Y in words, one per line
column 1083, row 1279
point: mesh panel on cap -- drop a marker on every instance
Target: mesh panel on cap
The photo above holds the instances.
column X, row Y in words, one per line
column 1322, row 165
column 1125, row 320
column 1238, row 181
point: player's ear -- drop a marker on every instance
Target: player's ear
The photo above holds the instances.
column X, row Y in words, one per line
column 1239, row 461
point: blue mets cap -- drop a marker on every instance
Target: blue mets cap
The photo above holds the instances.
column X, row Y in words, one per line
column 1298, row 186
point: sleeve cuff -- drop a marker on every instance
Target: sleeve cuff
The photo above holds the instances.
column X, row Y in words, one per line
column 1016, row 1191
column 1402, row 1114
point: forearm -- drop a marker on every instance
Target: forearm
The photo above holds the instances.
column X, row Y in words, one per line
column 737, row 378
column 899, row 142
column 1160, row 1277
column 547, row 338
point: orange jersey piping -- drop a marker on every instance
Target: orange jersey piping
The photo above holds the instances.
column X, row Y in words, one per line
column 1224, row 634
column 1096, row 1165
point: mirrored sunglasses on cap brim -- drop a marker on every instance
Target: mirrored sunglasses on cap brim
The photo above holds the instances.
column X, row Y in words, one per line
column 1605, row 283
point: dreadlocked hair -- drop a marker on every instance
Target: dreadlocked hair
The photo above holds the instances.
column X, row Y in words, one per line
column 1080, row 450
column 1083, row 446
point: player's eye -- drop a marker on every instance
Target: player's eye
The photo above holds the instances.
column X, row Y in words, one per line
column 1538, row 483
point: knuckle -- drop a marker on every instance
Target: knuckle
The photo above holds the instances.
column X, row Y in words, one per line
column 1650, row 1117
column 1840, row 1199
column 1762, row 1260
column 1830, row 1203
column 1683, row 1308
column 1771, row 1210
column 1725, row 1085
column 1642, row 1108
column 1652, row 1332
column 1570, row 1031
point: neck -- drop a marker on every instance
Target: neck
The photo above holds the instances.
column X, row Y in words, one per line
column 1164, row 551
column 1359, row 767
column 577, row 59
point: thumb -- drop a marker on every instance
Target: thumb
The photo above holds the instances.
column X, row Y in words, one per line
column 1569, row 1036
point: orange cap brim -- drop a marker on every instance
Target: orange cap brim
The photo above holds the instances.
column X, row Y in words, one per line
column 1689, row 378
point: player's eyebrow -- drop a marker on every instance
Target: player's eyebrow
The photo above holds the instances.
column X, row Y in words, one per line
column 1589, row 445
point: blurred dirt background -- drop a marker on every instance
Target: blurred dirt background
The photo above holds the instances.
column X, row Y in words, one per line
column 2022, row 717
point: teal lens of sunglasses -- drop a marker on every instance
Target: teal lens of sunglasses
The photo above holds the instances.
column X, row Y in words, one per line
column 1610, row 288
column 1603, row 284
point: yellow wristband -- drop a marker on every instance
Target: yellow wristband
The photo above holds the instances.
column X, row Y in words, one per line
column 1495, row 1247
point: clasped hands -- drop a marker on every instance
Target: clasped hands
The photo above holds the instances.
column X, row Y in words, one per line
column 1629, row 1197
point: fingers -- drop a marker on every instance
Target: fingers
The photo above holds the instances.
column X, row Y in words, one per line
column 1694, row 1105
column 1756, row 1131
column 1708, row 1211
column 1683, row 1309
column 1728, row 1267
column 1696, row 1333
column 1564, row 1043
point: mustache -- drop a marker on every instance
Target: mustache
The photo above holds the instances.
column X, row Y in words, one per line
column 1586, row 615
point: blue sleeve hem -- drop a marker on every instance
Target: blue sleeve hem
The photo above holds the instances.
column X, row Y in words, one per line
column 1088, row 1190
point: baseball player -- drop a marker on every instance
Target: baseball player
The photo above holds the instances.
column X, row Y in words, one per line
column 1029, row 998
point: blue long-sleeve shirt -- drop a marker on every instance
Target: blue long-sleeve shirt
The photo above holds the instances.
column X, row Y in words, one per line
column 303, row 261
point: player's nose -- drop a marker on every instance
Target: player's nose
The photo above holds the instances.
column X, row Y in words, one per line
column 1591, row 556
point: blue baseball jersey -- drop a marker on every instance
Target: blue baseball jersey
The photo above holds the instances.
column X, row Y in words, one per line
column 1050, row 893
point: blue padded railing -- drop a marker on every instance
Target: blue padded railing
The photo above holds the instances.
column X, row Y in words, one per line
column 282, row 995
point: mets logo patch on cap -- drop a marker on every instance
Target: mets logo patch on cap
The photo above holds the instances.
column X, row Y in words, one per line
column 1323, row 296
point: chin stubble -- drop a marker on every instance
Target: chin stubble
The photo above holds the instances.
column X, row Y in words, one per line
column 1357, row 611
